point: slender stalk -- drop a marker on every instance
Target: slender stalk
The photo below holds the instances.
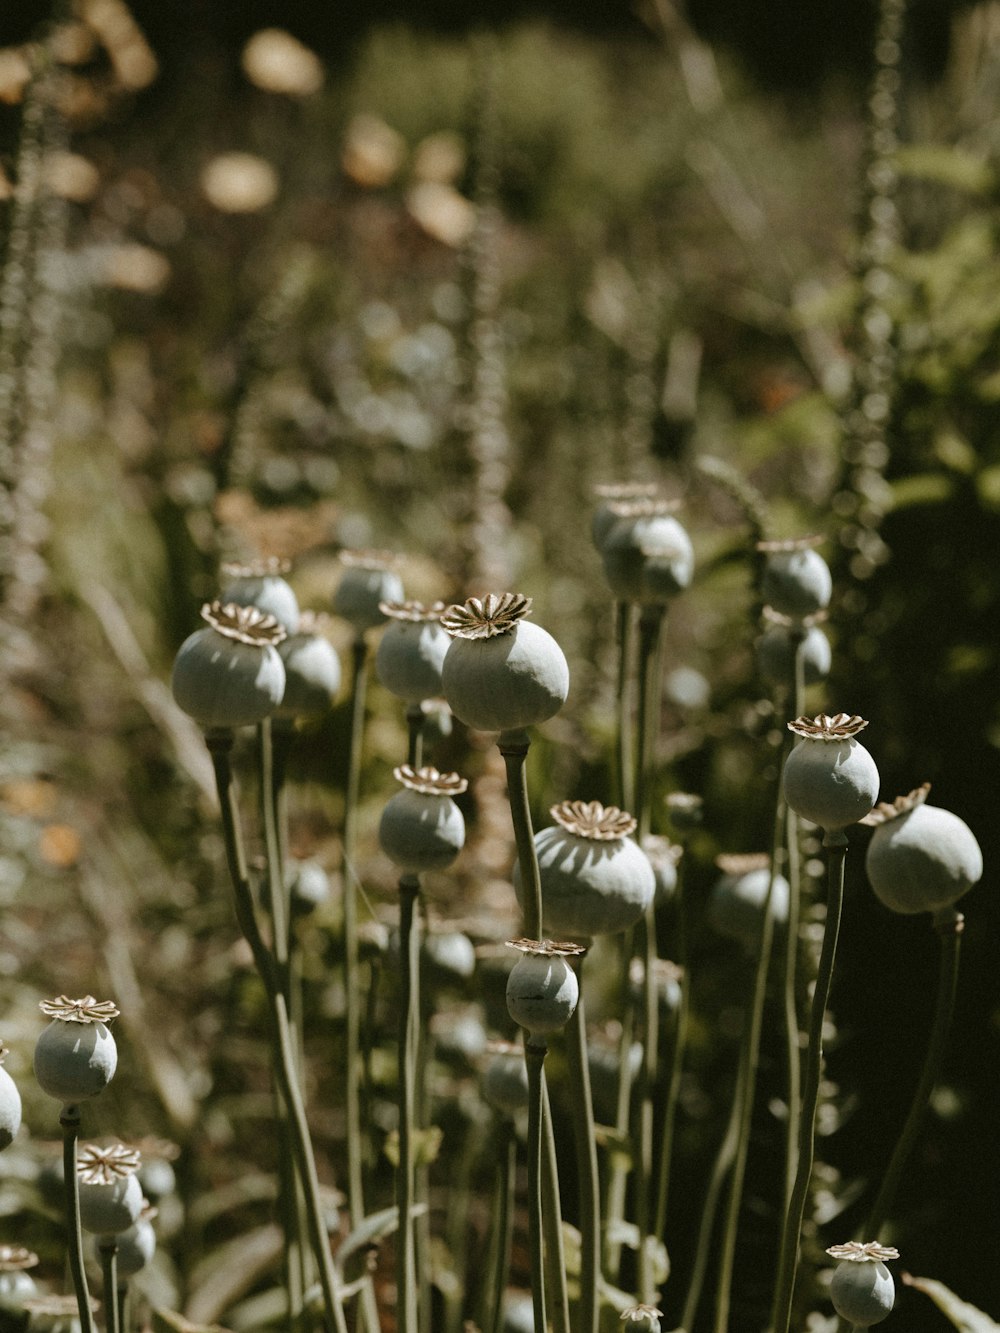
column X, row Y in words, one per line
column 676, row 1061
column 514, row 748
column 534, row 1057
column 409, row 952
column 277, row 905
column 552, row 1232
column 793, row 1056
column 949, row 924
column 69, row 1118
column 109, row 1271
column 415, row 727
column 626, row 772
column 586, row 1167
column 614, row 1209
column 835, row 842
column 124, row 1300
column 498, row 1263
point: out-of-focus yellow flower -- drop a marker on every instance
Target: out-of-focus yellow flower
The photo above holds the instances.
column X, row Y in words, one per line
column 239, row 183
column 373, row 151
column 279, row 63
column 71, row 176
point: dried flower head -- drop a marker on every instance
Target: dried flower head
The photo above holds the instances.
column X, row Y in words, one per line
column 104, row 1164
column 772, row 617
column 640, row 1314
column 902, row 805
column 419, row 613
column 368, row 559
column 787, row 544
column 271, row 566
column 163, row 1150
column 547, row 948
column 591, row 819
column 55, row 1307
column 87, row 1010
column 861, row 1252
column 664, row 972
column 661, row 851
column 429, row 781
column 839, row 727
column 742, row 863
column 14, row 1258
column 626, row 490
column 684, row 807
column 497, row 1047
column 655, row 506
column 313, row 622
column 246, row 624
column 484, row 618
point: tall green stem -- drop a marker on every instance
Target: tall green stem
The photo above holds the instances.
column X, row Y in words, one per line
column 500, row 1232
column 409, row 952
column 676, row 1060
column 552, row 1232
column 588, row 1187
column 625, row 763
column 69, row 1118
column 534, row 1056
column 793, row 1051
column 415, row 730
column 513, row 746
column 835, row 842
column 109, row 1271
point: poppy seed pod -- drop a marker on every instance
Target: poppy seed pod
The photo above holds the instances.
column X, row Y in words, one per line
column 921, row 858
column 421, row 826
column 775, row 652
column 829, row 777
column 309, row 887
column 110, row 1194
column 862, row 1289
column 312, row 670
column 736, row 905
column 595, row 879
column 16, row 1285
column 642, row 1319
column 605, row 518
column 797, row 580
column 136, row 1247
column 542, row 989
column 501, row 673
column 664, row 856
column 10, row 1105
column 368, row 580
column 505, row 1078
column 411, row 652
column 76, row 1055
column 230, row 674
column 647, row 555
column 261, row 584
column 449, row 957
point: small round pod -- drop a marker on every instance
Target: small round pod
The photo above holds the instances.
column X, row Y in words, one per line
column 421, row 826
column 368, row 580
column 261, row 583
column 542, row 988
column 776, row 649
column 501, row 672
column 230, row 674
column 76, row 1056
column 612, row 493
column 312, row 670
column 505, row 1078
column 449, row 956
column 862, row 1289
column 596, row 880
column 738, row 898
column 797, row 581
column 309, row 887
column 411, row 652
column 647, row 555
column 110, row 1194
column 685, row 810
column 668, row 979
column 136, row 1245
column 829, row 777
column 664, row 856
column 16, row 1283
column 10, row 1104
column 921, row 858
column 642, row 1319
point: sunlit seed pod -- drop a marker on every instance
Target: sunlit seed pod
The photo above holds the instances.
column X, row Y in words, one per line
column 459, row 1036
column 505, row 1078
column 737, row 901
column 501, row 672
column 542, row 988
column 797, row 580
column 107, row 1209
column 829, row 777
column 262, row 584
column 775, row 654
column 642, row 1319
column 157, row 1178
column 368, row 580
column 15, row 1288
column 921, row 858
column 312, row 672
column 136, row 1247
column 862, row 1293
column 230, row 674
column 647, row 554
column 421, row 826
column 75, row 1058
column 664, row 856
column 10, row 1106
column 309, row 887
column 449, row 957
column 518, row 1313
column 412, row 650
column 608, row 496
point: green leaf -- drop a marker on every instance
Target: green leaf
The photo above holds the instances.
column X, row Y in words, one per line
column 965, row 1317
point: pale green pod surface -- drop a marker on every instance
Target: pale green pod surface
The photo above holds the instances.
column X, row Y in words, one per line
column 797, row 583
column 518, row 1313
column 409, row 659
column 268, row 593
column 736, row 905
column 506, row 683
column 647, row 558
column 309, row 887
column 590, row 887
column 10, row 1109
column 157, row 1178
column 15, row 1288
column 862, row 1293
column 107, row 1209
column 922, row 860
column 421, row 831
column 223, row 683
column 449, row 956
column 542, row 993
column 136, row 1247
column 832, row 783
column 775, row 654
column 360, row 591
column 75, row 1061
column 312, row 676
column 505, row 1082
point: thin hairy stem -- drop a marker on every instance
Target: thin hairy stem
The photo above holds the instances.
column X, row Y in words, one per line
column 552, row 1232
column 625, row 775
column 409, row 954
column 588, row 1187
column 415, row 719
column 676, row 1060
column 109, row 1272
column 514, row 748
column 498, row 1264
column 534, row 1057
column 352, row 979
column 69, row 1118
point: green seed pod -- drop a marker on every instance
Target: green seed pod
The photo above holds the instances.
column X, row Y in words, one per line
column 664, row 856
column 76, row 1055
column 505, row 1078
column 10, row 1105
column 642, row 1319
column 608, row 496
column 411, row 652
column 647, row 555
column 136, row 1247
column 797, row 580
column 230, row 674
column 542, row 989
column 595, row 879
column 156, row 1175
column 736, row 905
column 501, row 673
column 775, row 653
column 368, row 580
column 16, row 1284
column 309, row 887
column 110, row 1194
column 261, row 584
column 830, row 778
column 449, row 957
column 862, row 1288
column 312, row 670
column 921, row 858
column 421, row 826
column 685, row 810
